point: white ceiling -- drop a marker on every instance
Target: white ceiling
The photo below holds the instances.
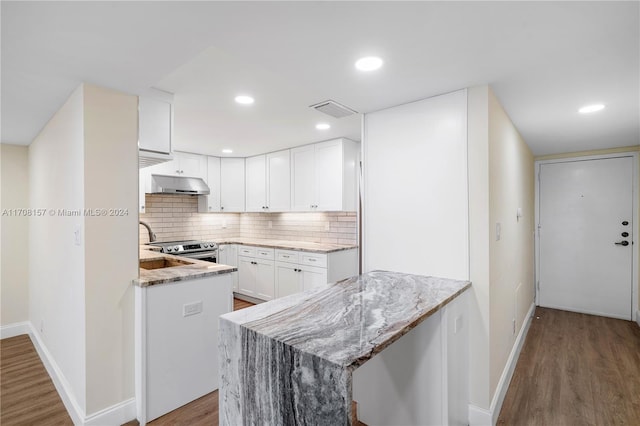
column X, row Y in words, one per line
column 542, row 59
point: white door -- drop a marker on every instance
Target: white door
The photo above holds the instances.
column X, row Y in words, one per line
column 232, row 184
column 279, row 181
column 256, row 185
column 287, row 279
column 329, row 175
column 247, row 269
column 585, row 208
column 303, row 175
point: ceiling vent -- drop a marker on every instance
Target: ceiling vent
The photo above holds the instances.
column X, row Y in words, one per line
column 333, row 109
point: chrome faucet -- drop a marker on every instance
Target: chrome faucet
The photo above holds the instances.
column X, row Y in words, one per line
column 152, row 236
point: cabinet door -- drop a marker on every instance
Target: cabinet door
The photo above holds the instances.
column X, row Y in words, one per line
column 247, row 276
column 191, row 165
column 232, row 259
column 232, row 184
column 303, row 176
column 328, row 170
column 256, row 184
column 279, row 181
column 313, row 277
column 288, row 279
column 265, row 279
column 211, row 203
column 143, row 178
column 154, row 121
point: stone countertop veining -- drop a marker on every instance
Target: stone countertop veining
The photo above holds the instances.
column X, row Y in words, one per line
column 288, row 245
column 350, row 321
column 291, row 360
column 197, row 269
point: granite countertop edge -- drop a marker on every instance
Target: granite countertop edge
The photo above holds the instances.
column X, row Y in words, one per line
column 197, row 269
column 288, row 245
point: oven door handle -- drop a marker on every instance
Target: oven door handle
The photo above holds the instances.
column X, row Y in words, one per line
column 199, row 255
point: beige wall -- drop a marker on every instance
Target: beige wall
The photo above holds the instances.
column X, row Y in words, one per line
column 14, row 290
column 511, row 186
column 501, row 179
column 176, row 217
column 111, row 244
column 56, row 263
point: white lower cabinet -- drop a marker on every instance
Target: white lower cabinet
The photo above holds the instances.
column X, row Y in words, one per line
column 267, row 273
column 256, row 272
column 294, row 278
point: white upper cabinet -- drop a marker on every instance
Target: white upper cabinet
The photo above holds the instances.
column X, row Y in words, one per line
column 279, row 181
column 269, row 182
column 211, row 202
column 324, row 176
column 232, row 184
column 154, row 125
column 183, row 164
column 256, row 184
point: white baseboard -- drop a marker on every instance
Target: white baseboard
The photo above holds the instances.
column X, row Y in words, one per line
column 115, row 415
column 15, row 329
column 481, row 417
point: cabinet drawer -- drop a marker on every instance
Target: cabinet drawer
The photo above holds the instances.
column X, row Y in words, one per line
column 287, row 256
column 310, row 259
column 264, row 253
column 246, row 251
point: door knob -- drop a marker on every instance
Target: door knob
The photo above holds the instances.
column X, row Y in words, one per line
column 622, row 243
column 625, row 234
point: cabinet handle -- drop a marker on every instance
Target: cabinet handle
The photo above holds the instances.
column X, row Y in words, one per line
column 221, row 207
column 286, row 257
column 312, row 259
column 141, row 207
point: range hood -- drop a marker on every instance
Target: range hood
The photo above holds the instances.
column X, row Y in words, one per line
column 162, row 184
column 150, row 158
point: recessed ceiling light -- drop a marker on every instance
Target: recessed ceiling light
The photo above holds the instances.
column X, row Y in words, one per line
column 323, row 126
column 591, row 108
column 370, row 63
column 227, row 151
column 244, row 99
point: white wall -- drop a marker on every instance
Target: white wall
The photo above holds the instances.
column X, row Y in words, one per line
column 111, row 244
column 479, row 234
column 81, row 266
column 56, row 263
column 415, row 188
column 14, row 287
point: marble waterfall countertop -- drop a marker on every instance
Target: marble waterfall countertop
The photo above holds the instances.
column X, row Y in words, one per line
column 292, row 358
column 288, row 245
column 195, row 269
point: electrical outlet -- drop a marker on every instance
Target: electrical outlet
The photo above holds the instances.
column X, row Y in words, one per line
column 224, row 224
column 498, row 231
column 191, row 308
column 327, row 226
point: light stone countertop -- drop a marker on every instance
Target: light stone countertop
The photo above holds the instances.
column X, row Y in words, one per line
column 291, row 360
column 350, row 321
column 196, row 269
column 287, row 245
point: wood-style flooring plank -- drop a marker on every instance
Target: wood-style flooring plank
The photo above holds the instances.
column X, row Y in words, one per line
column 575, row 369
column 27, row 394
column 241, row 304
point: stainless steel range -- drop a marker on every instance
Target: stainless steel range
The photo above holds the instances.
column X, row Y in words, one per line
column 201, row 250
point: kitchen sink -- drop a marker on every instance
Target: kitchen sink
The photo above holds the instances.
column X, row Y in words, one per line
column 163, row 263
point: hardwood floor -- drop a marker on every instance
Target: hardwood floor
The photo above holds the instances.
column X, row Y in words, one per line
column 576, row 369
column 241, row 304
column 27, row 394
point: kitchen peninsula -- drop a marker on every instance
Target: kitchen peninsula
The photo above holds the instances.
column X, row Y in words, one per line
column 178, row 302
column 296, row 360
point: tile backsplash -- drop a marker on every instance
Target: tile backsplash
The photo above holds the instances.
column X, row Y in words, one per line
column 176, row 217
